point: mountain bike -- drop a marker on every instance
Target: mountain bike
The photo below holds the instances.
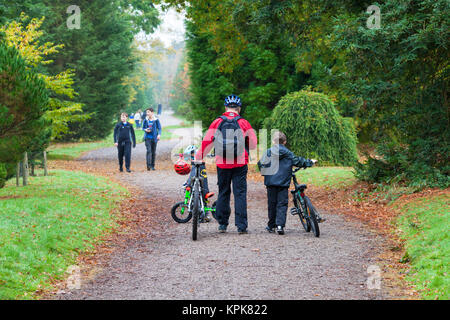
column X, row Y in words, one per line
column 194, row 202
column 180, row 211
column 305, row 210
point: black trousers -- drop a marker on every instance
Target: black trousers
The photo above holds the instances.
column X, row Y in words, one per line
column 151, row 152
column 124, row 149
column 237, row 176
column 205, row 186
column 277, row 203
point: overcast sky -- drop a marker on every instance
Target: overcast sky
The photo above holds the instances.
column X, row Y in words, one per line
column 171, row 28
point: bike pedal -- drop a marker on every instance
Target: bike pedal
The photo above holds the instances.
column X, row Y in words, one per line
column 294, row 211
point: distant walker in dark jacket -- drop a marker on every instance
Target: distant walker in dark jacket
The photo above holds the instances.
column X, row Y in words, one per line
column 276, row 167
column 124, row 137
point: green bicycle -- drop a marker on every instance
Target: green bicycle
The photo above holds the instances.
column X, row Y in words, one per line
column 180, row 211
column 194, row 203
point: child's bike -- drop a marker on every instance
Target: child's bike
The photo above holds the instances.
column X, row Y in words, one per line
column 194, row 205
column 305, row 210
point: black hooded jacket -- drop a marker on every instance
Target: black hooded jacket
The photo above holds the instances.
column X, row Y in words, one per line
column 276, row 166
column 124, row 133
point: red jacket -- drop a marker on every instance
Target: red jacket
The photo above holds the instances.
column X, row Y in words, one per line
column 208, row 140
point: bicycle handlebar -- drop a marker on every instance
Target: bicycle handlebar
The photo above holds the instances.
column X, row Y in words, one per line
column 193, row 162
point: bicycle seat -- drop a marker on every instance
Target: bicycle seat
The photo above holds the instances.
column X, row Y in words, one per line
column 209, row 195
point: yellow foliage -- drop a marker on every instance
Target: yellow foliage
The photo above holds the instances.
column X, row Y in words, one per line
column 25, row 38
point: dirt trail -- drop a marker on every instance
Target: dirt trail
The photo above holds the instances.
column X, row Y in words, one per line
column 259, row 265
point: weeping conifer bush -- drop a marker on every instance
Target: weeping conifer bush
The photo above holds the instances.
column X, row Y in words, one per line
column 314, row 128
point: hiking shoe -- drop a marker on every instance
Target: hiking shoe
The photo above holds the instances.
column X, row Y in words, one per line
column 153, row 169
column 242, row 231
column 222, row 228
column 128, row 170
column 121, row 169
column 270, row 230
column 280, row 230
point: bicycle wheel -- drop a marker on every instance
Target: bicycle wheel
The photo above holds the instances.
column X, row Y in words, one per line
column 214, row 212
column 195, row 211
column 179, row 215
column 304, row 222
column 312, row 214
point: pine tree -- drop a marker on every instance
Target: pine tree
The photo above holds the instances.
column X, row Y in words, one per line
column 23, row 102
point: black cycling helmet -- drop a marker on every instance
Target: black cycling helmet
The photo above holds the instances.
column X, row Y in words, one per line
column 233, row 100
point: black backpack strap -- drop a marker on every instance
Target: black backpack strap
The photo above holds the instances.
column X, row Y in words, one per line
column 223, row 121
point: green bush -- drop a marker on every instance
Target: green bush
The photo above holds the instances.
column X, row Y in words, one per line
column 23, row 101
column 314, row 128
column 2, row 175
column 395, row 166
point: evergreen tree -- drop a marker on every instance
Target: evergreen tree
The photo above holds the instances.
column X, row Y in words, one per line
column 100, row 52
column 23, row 102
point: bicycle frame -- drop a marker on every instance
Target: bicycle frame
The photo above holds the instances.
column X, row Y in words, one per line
column 198, row 179
column 300, row 190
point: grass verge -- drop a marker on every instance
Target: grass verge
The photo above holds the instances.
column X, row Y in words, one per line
column 46, row 225
column 328, row 177
column 424, row 226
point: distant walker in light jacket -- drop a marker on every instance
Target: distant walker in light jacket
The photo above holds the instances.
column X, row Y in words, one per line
column 152, row 128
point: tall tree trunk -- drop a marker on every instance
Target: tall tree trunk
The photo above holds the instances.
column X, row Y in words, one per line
column 45, row 164
column 19, row 164
column 32, row 169
column 25, row 169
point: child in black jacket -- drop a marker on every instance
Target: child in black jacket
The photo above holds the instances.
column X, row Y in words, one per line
column 276, row 167
column 124, row 137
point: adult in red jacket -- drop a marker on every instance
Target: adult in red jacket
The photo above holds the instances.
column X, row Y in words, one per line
column 232, row 153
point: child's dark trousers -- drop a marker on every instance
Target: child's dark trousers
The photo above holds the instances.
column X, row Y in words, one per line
column 124, row 150
column 277, row 202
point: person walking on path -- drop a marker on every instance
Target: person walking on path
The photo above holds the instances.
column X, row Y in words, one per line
column 137, row 119
column 276, row 167
column 124, row 137
column 232, row 137
column 152, row 128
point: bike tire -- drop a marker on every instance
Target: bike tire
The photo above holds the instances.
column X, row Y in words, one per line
column 195, row 211
column 304, row 222
column 175, row 214
column 214, row 212
column 312, row 213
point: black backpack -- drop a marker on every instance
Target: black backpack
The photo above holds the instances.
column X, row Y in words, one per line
column 229, row 142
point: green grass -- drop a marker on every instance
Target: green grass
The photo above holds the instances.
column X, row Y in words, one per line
column 329, row 177
column 44, row 227
column 424, row 225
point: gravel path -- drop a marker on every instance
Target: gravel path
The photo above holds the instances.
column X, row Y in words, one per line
column 226, row 266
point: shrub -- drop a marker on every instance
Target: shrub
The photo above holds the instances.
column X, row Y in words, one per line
column 2, row 175
column 395, row 166
column 23, row 101
column 314, row 128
